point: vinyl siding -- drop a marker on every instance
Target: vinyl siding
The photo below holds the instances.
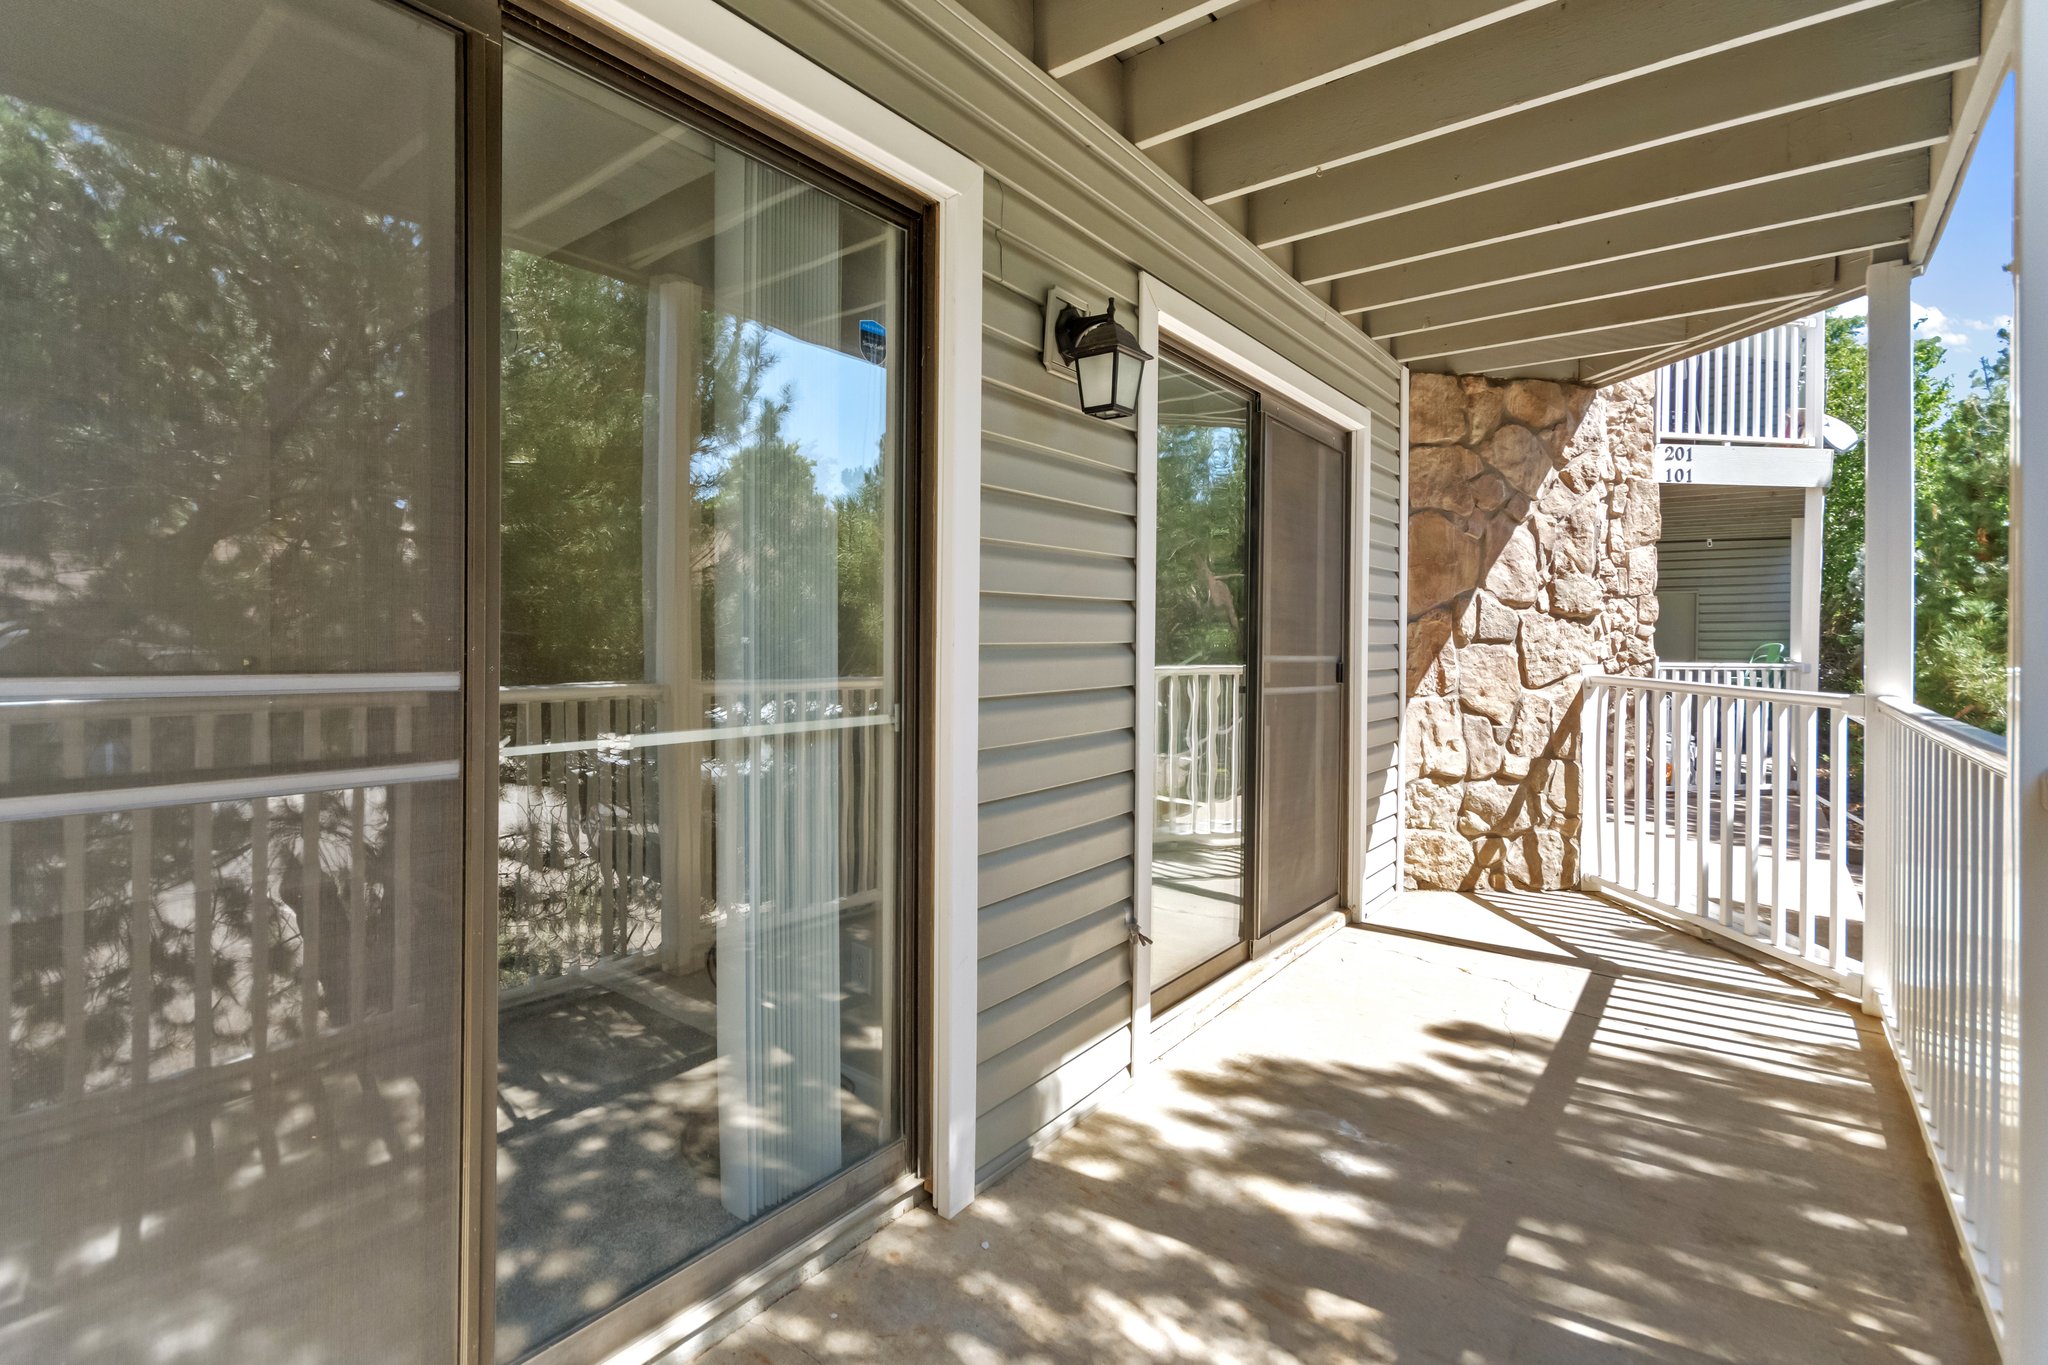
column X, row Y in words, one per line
column 1059, row 537
column 1382, row 664
column 1717, row 543
column 1744, row 588
column 1069, row 204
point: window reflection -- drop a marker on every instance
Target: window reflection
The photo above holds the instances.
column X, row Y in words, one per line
column 702, row 389
column 230, row 595
column 1200, row 698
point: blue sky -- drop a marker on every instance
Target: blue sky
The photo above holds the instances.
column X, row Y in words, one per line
column 1966, row 294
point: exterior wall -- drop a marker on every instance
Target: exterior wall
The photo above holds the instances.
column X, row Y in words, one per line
column 1732, row 546
column 1533, row 520
column 1068, row 202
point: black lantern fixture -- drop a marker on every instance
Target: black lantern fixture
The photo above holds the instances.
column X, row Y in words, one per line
column 1108, row 362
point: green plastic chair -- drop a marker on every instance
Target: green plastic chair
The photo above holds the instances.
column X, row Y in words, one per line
column 1767, row 654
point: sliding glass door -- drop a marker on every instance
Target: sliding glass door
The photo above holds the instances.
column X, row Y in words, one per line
column 1247, row 686
column 232, row 525
column 1201, row 640
column 267, row 949
column 706, row 353
column 1302, row 595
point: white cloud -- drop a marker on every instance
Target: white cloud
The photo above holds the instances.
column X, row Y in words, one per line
column 1930, row 321
column 1949, row 331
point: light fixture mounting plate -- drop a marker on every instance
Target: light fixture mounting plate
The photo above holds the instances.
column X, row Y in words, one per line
column 1057, row 301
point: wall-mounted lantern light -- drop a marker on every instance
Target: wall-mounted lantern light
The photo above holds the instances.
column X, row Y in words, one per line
column 1106, row 360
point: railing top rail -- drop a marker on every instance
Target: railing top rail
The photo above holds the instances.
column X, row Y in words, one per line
column 209, row 686
column 1736, row 665
column 1198, row 668
column 1849, row 702
column 591, row 691
column 1979, row 746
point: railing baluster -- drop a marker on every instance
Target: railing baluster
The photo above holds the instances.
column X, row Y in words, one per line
column 401, row 865
column 72, row 742
column 1617, row 765
column 261, row 911
column 1838, row 836
column 1809, row 776
column 358, row 876
column 1752, row 814
column 141, row 908
column 309, row 880
column 1780, row 785
column 1681, row 779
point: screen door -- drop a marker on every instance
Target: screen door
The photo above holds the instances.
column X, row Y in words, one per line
column 1300, row 702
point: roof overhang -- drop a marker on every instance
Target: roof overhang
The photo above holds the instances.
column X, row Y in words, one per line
column 1576, row 189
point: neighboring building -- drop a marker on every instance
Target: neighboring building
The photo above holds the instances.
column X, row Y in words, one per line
column 1743, row 467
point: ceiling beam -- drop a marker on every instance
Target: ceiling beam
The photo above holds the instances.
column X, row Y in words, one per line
column 1754, row 209
column 1641, row 338
column 1775, row 158
column 1868, row 230
column 1535, row 59
column 1269, row 51
column 1897, row 46
column 1649, row 305
column 1077, row 33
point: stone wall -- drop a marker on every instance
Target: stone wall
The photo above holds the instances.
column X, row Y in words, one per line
column 1532, row 553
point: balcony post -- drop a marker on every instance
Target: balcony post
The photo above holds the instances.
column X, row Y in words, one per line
column 1806, row 575
column 2026, row 1240
column 1887, row 596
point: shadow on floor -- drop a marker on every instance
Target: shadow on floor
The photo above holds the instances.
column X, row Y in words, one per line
column 1482, row 1129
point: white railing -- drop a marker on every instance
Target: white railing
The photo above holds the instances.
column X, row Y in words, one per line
column 1949, row 995
column 1201, row 751
column 1728, row 808
column 1727, row 674
column 583, row 826
column 178, row 929
column 1765, row 389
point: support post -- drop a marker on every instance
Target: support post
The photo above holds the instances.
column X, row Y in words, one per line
column 2026, row 1216
column 1806, row 571
column 670, row 608
column 1887, row 597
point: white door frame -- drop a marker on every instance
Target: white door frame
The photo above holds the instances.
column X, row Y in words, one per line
column 1166, row 314
column 720, row 48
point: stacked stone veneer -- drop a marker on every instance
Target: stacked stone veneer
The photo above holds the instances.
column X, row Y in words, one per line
column 1532, row 553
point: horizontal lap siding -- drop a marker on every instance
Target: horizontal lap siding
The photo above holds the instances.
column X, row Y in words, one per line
column 1059, row 690
column 1382, row 662
column 1744, row 589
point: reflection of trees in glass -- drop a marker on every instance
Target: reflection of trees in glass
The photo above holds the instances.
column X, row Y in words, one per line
column 1200, row 611
column 575, row 412
column 216, row 404
column 223, row 448
column 574, row 368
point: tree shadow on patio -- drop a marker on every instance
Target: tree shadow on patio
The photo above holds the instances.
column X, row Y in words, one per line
column 1529, row 1128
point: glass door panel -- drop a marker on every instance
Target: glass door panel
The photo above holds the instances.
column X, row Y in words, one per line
column 1201, row 637
column 1302, row 594
column 704, row 380
column 231, row 568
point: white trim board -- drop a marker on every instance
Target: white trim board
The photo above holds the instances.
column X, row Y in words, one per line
column 1164, row 313
column 725, row 50
column 1749, row 466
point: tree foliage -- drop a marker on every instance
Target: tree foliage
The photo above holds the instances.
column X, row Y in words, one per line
column 1201, row 607
column 1960, row 455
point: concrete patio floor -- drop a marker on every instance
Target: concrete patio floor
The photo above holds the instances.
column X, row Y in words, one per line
column 1494, row 1128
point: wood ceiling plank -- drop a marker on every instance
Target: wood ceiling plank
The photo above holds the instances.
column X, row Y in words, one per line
column 1906, row 43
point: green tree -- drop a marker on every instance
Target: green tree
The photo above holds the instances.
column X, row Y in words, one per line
column 1960, row 455
column 1200, row 613
column 1961, row 535
column 1841, row 597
